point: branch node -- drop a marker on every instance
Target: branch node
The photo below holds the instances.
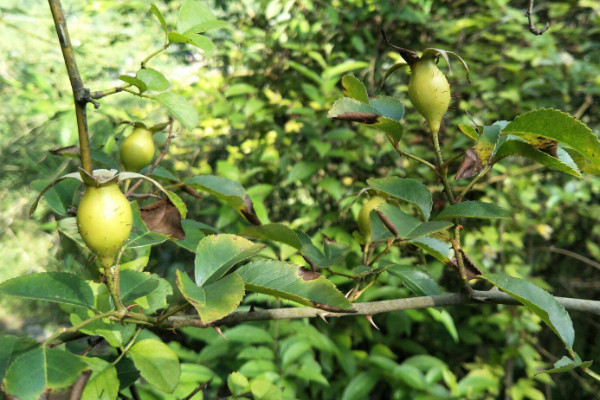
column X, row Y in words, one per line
column 532, row 28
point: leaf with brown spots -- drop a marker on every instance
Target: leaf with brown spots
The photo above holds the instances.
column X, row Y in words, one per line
column 163, row 217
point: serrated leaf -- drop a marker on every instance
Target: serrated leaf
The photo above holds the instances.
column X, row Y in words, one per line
column 354, row 88
column 35, row 371
column 391, row 127
column 179, row 108
column 290, row 282
column 193, row 13
column 275, row 232
column 406, row 189
column 159, row 16
column 103, row 384
column 469, row 131
column 540, row 302
column 12, row 347
column 566, row 364
column 473, row 209
column 58, row 287
column 138, row 83
column 416, row 279
column 193, row 234
column 157, row 363
column 556, row 125
column 153, row 79
column 523, row 149
column 156, row 299
column 213, row 301
column 217, row 254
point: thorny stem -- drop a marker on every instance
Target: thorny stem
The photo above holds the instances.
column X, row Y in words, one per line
column 112, row 282
column 81, row 95
column 77, row 327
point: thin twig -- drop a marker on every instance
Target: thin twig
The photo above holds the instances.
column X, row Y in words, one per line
column 571, row 254
column 409, row 155
column 79, row 386
column 155, row 163
column 532, row 27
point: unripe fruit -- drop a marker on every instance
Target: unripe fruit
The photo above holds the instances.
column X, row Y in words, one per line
column 429, row 92
column 364, row 222
column 104, row 220
column 137, row 149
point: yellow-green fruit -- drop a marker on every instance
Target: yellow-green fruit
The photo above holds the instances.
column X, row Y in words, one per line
column 429, row 92
column 364, row 222
column 137, row 149
column 104, row 221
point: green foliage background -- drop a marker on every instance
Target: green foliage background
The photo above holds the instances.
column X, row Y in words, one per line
column 263, row 96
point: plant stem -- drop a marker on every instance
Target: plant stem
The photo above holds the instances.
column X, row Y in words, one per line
column 112, row 282
column 127, row 347
column 77, row 327
column 108, row 92
column 481, row 174
column 442, row 171
column 409, row 155
column 81, row 95
column 154, row 53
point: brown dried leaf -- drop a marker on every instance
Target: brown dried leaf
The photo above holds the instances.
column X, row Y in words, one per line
column 470, row 166
column 163, row 217
column 307, row 275
column 365, row 118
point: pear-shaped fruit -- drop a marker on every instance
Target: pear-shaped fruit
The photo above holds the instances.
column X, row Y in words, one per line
column 137, row 149
column 429, row 91
column 364, row 221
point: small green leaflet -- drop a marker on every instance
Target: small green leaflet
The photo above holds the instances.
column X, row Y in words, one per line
column 540, row 302
column 179, row 108
column 213, row 301
column 157, row 363
column 566, row 364
column 103, row 384
column 405, row 226
column 354, row 88
column 134, row 284
column 227, row 190
column 291, row 282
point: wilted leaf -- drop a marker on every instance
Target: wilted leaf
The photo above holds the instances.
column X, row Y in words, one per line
column 163, row 217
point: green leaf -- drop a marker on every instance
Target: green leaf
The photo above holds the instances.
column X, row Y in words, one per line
column 60, row 196
column 209, row 25
column 416, row 279
column 134, row 284
column 276, row 232
column 179, row 108
column 344, row 67
column 217, row 254
column 391, row 70
column 262, row 389
column 193, row 13
column 310, row 74
column 138, row 83
column 473, row 209
column 360, row 386
column 556, row 125
column 225, row 189
column 12, row 347
column 153, row 79
column 159, row 16
column 58, row 287
column 523, row 149
column 444, row 317
column 240, row 89
column 540, row 302
column 200, row 41
column 237, row 383
column 566, row 364
column 103, row 384
column 469, row 131
column 389, row 107
column 406, row 189
column 290, row 282
column 434, row 247
column 156, row 299
column 157, row 363
column 302, row 170
column 355, row 89
column 35, row 371
column 193, row 234
column 406, row 226
column 215, row 300
column 391, row 127
column 347, row 108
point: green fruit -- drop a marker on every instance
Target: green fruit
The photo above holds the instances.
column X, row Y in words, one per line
column 137, row 149
column 364, row 221
column 429, row 92
column 104, row 220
